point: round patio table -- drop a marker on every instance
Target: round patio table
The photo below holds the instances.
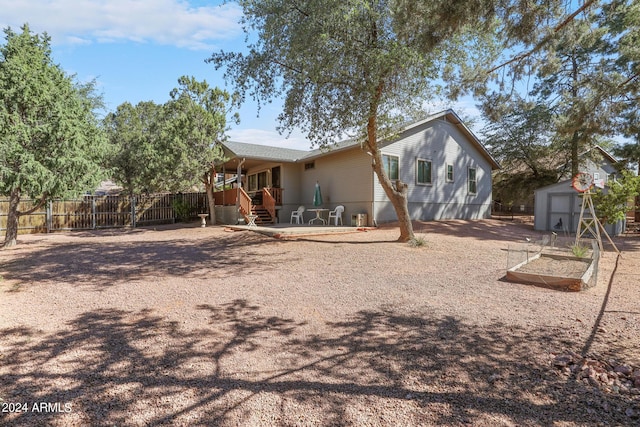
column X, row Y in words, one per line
column 318, row 215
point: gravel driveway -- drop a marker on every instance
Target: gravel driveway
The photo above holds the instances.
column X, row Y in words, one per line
column 189, row 326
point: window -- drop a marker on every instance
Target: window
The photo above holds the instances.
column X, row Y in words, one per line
column 257, row 181
column 472, row 183
column 253, row 182
column 310, row 165
column 449, row 173
column 423, row 174
column 390, row 165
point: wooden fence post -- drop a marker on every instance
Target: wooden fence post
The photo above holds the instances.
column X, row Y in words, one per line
column 93, row 212
column 133, row 211
column 49, row 216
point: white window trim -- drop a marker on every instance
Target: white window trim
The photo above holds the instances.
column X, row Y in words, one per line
column 426, row 184
column 446, row 173
column 469, row 180
column 383, row 165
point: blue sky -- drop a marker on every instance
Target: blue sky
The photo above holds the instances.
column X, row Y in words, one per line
column 137, row 50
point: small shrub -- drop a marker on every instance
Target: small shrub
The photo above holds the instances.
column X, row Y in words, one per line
column 181, row 209
column 417, row 242
column 579, row 250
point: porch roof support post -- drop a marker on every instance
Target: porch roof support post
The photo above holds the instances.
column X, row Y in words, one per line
column 239, row 182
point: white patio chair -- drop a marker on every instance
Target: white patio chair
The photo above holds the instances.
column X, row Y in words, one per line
column 337, row 214
column 297, row 215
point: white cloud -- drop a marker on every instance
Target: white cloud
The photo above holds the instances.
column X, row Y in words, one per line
column 165, row 22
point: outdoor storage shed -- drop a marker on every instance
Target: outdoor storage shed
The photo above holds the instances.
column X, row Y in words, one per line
column 557, row 208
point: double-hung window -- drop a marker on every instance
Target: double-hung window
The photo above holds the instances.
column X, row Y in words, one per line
column 423, row 172
column 449, row 172
column 390, row 165
column 472, row 182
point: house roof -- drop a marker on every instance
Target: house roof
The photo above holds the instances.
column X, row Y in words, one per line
column 263, row 152
column 270, row 153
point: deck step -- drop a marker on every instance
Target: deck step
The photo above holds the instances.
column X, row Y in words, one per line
column 263, row 216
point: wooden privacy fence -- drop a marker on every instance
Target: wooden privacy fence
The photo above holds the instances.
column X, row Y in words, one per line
column 92, row 212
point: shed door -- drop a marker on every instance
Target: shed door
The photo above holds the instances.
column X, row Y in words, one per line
column 560, row 212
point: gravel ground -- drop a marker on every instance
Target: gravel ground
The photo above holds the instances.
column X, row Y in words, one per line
column 189, row 326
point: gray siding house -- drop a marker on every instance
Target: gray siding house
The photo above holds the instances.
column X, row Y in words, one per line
column 447, row 169
column 557, row 206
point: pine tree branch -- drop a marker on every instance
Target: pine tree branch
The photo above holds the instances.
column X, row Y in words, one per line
column 545, row 40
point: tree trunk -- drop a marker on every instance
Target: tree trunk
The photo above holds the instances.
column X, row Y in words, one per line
column 636, row 205
column 397, row 195
column 11, row 233
column 575, row 151
column 208, row 185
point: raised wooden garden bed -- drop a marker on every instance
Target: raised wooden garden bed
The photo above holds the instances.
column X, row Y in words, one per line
column 555, row 270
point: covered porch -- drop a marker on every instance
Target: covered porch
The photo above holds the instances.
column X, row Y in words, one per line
column 260, row 205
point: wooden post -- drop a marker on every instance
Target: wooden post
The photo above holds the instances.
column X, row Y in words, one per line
column 133, row 211
column 93, row 212
column 49, row 216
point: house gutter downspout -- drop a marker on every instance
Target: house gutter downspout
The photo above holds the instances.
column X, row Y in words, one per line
column 372, row 218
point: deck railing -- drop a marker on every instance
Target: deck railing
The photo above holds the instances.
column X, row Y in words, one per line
column 269, row 202
column 226, row 197
column 276, row 193
column 245, row 202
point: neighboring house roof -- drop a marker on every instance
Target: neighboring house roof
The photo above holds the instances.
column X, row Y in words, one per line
column 558, row 163
column 607, row 156
column 107, row 187
column 567, row 180
column 270, row 153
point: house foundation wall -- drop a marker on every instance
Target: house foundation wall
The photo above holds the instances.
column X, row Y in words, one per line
column 227, row 215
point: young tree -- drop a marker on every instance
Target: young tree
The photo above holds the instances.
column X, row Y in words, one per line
column 50, row 139
column 630, row 152
column 134, row 157
column 193, row 122
column 613, row 205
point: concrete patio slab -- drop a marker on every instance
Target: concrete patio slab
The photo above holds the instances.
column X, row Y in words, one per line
column 292, row 231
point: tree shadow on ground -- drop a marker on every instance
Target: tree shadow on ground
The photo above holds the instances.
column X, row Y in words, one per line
column 475, row 229
column 101, row 263
column 482, row 229
column 241, row 367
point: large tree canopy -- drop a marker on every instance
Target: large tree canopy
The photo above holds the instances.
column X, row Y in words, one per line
column 51, row 143
column 363, row 67
column 133, row 156
column 172, row 146
column 194, row 121
column 587, row 75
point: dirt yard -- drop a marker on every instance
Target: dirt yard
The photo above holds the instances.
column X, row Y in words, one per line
column 189, row 326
